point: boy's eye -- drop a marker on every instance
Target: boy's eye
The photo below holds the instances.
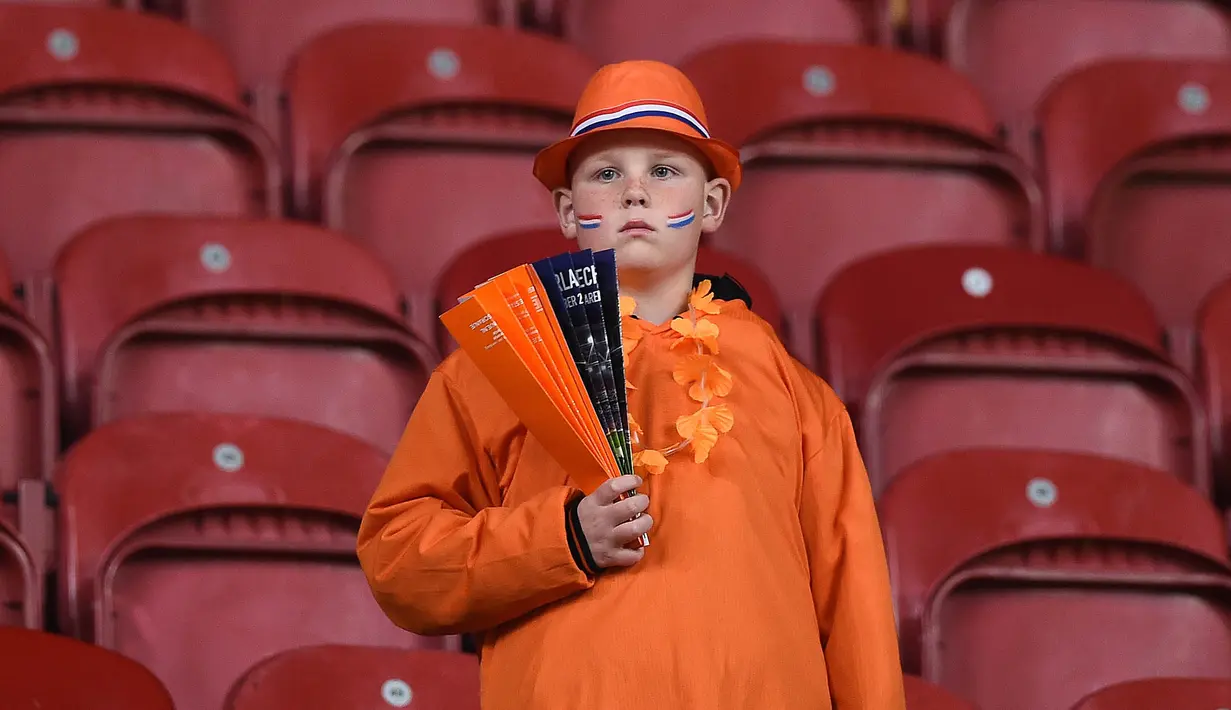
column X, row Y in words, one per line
column 607, row 174
column 662, row 171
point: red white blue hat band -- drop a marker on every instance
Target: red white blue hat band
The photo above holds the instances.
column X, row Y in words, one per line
column 639, row 109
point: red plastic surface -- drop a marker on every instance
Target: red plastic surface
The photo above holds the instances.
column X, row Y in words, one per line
column 1027, row 579
column 1153, row 693
column 940, row 348
column 359, row 678
column 200, row 544
column 48, row 672
column 231, row 315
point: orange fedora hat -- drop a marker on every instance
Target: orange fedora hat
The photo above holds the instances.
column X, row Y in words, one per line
column 638, row 94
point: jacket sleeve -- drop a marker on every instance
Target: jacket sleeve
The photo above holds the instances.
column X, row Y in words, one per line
column 440, row 553
column 850, row 577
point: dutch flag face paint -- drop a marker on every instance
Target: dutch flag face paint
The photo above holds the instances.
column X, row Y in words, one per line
column 680, row 221
column 590, row 221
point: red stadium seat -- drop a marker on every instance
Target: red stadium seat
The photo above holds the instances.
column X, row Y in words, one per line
column 501, row 253
column 1027, row 579
column 1153, row 693
column 938, row 348
column 109, row 112
column 433, row 151
column 261, row 36
column 329, row 677
column 48, row 672
column 1014, row 49
column 922, row 695
column 849, row 151
column 1137, row 160
column 671, row 31
column 200, row 544
column 1214, row 374
column 233, row 315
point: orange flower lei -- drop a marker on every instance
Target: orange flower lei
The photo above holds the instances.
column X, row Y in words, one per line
column 697, row 370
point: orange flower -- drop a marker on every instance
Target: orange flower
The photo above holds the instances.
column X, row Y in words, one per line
column 650, row 461
column 627, row 306
column 634, row 429
column 702, row 300
column 703, row 331
column 630, row 328
column 705, row 378
column 703, row 428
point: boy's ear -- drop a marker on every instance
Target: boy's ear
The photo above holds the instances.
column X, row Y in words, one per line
column 565, row 212
column 717, row 197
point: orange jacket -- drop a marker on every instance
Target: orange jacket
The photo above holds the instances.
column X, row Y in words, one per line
column 765, row 584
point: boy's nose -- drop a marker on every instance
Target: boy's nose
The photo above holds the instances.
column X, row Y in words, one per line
column 636, row 196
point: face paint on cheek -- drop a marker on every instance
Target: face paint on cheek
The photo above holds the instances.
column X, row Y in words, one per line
column 680, row 221
column 589, row 221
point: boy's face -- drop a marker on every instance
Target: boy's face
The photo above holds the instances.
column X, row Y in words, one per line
column 645, row 194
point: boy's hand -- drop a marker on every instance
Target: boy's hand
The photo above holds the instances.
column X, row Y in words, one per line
column 608, row 522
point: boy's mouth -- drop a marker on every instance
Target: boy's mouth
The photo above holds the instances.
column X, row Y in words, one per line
column 636, row 224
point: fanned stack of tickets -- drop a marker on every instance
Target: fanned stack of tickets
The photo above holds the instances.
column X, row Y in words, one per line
column 547, row 336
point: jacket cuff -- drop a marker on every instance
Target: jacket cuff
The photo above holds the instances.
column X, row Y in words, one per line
column 577, row 543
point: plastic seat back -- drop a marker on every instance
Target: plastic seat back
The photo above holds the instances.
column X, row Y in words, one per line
column 1214, row 374
column 670, row 32
column 1014, row 49
column 233, row 315
column 938, row 348
column 234, row 532
column 261, row 36
column 359, row 677
column 853, row 150
column 433, row 151
column 1028, row 579
column 1151, row 693
column 29, row 436
column 108, row 112
column 51, row 672
column 503, row 252
column 1147, row 195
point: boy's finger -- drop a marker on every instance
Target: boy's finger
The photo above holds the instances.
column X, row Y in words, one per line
column 611, row 489
column 624, row 484
column 628, row 509
column 633, row 529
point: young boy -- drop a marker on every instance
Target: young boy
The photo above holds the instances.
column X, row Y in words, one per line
column 765, row 583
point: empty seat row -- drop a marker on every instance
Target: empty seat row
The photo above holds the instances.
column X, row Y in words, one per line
column 57, row 673
column 933, row 348
column 238, row 532
column 1011, row 49
column 52, row 672
column 848, row 150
